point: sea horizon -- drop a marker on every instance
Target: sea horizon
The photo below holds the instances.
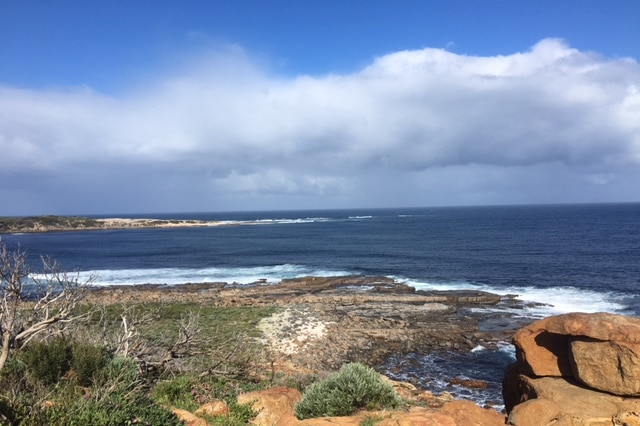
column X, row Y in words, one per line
column 154, row 214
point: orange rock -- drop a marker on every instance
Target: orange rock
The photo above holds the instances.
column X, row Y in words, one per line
column 420, row 417
column 404, row 390
column 612, row 367
column 601, row 326
column 213, row 409
column 600, row 350
column 469, row 414
column 541, row 353
column 188, row 418
column 536, row 412
column 469, row 384
column 568, row 401
column 272, row 404
column 435, row 401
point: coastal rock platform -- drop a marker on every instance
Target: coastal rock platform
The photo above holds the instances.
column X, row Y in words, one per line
column 324, row 322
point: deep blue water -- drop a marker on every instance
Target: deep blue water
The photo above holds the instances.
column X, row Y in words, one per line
column 553, row 252
column 572, row 257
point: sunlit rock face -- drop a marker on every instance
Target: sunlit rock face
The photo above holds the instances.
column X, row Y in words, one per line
column 575, row 369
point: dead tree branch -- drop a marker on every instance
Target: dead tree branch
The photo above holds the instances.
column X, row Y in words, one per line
column 33, row 304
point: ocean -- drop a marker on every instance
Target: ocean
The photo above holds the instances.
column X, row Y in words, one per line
column 565, row 257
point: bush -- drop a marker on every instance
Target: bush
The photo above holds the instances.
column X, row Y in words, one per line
column 352, row 388
column 47, row 362
column 118, row 410
column 119, row 374
column 86, row 361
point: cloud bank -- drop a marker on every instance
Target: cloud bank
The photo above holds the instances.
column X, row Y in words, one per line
column 423, row 127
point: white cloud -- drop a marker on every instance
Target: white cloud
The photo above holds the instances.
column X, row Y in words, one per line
column 226, row 125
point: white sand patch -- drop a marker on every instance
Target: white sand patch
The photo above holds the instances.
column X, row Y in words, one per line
column 116, row 222
column 288, row 331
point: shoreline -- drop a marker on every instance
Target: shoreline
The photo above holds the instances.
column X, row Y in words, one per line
column 349, row 317
column 42, row 224
column 322, row 323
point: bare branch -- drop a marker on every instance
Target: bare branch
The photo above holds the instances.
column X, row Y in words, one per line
column 34, row 304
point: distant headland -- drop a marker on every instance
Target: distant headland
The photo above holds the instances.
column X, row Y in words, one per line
column 12, row 225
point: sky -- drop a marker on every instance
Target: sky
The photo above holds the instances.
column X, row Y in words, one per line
column 157, row 106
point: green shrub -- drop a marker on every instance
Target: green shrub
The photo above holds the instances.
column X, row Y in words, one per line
column 118, row 410
column 119, row 374
column 352, row 388
column 47, row 362
column 86, row 361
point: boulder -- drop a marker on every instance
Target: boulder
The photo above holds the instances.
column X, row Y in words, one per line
column 608, row 366
column 536, row 412
column 600, row 326
column 541, row 353
column 575, row 370
column 600, row 350
column 558, row 401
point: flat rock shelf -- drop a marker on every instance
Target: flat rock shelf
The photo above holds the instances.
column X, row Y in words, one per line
column 324, row 322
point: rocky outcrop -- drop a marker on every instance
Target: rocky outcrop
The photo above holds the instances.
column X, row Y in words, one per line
column 575, row 369
column 601, row 350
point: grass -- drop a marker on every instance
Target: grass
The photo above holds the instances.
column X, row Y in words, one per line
column 218, row 324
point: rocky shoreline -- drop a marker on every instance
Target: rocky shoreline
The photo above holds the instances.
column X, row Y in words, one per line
column 571, row 369
column 325, row 322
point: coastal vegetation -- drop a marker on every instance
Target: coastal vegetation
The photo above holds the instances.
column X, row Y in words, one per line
column 70, row 357
column 42, row 223
column 352, row 388
column 69, row 362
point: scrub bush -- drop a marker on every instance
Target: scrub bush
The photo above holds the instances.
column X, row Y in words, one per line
column 47, row 362
column 120, row 374
column 352, row 388
column 87, row 361
column 118, row 410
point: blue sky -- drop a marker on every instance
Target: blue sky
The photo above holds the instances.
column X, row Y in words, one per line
column 159, row 106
